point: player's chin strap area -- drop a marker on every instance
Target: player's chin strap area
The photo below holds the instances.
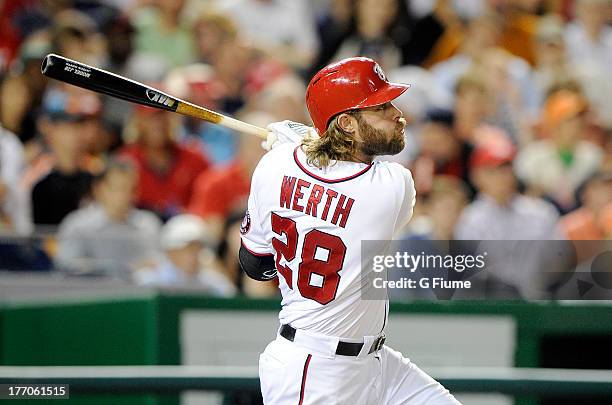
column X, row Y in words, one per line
column 344, row 348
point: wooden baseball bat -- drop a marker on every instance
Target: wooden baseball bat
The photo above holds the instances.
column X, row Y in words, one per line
column 101, row 81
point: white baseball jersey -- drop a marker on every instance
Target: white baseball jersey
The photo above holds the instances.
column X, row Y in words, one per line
column 313, row 221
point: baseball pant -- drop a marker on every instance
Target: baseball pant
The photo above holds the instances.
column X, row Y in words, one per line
column 292, row 374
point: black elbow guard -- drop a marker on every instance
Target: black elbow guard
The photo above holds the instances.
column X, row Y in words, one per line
column 258, row 267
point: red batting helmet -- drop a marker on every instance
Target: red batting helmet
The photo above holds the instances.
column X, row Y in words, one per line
column 350, row 84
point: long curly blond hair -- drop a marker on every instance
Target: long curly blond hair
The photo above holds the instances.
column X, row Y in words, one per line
column 334, row 144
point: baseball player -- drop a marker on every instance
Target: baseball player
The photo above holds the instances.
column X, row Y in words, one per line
column 314, row 198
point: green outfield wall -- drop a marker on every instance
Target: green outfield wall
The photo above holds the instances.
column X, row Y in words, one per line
column 147, row 331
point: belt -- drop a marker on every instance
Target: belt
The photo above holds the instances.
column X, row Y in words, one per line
column 344, row 348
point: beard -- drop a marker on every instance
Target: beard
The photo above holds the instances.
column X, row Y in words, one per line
column 376, row 142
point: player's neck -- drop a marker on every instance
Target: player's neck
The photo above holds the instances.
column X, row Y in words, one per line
column 360, row 157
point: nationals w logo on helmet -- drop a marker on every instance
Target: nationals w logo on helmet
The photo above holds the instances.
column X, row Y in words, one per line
column 379, row 72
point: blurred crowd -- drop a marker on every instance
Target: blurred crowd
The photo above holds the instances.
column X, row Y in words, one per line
column 509, row 131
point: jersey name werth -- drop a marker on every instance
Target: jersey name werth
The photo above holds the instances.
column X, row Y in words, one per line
column 315, row 200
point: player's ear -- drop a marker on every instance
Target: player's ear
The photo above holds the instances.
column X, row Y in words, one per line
column 347, row 123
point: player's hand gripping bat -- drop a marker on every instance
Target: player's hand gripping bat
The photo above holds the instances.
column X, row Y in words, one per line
column 101, row 81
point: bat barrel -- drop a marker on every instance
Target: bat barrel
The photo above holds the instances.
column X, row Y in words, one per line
column 99, row 80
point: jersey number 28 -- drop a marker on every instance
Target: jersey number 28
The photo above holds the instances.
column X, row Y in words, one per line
column 317, row 279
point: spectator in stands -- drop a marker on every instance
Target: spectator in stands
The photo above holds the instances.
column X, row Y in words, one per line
column 557, row 165
column 196, row 83
column 589, row 37
column 21, row 91
column 41, row 15
column 474, row 105
column 519, row 23
column 440, row 211
column 76, row 36
column 167, row 170
column 187, row 260
column 9, row 33
column 161, row 30
column 373, row 22
column 551, row 63
column 554, row 66
column 593, row 219
column 281, row 97
column 108, row 236
column 60, row 180
column 510, row 81
column 514, row 20
column 230, row 63
column 441, row 152
column 510, row 215
column 480, row 49
column 223, row 191
column 220, row 84
column 508, row 77
column 119, row 32
column 13, row 208
column 283, row 29
column 435, row 35
column 334, row 24
column 589, row 223
column 482, row 34
column 212, row 30
column 99, row 138
column 501, row 212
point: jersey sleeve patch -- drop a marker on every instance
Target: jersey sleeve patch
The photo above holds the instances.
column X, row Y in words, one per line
column 245, row 226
